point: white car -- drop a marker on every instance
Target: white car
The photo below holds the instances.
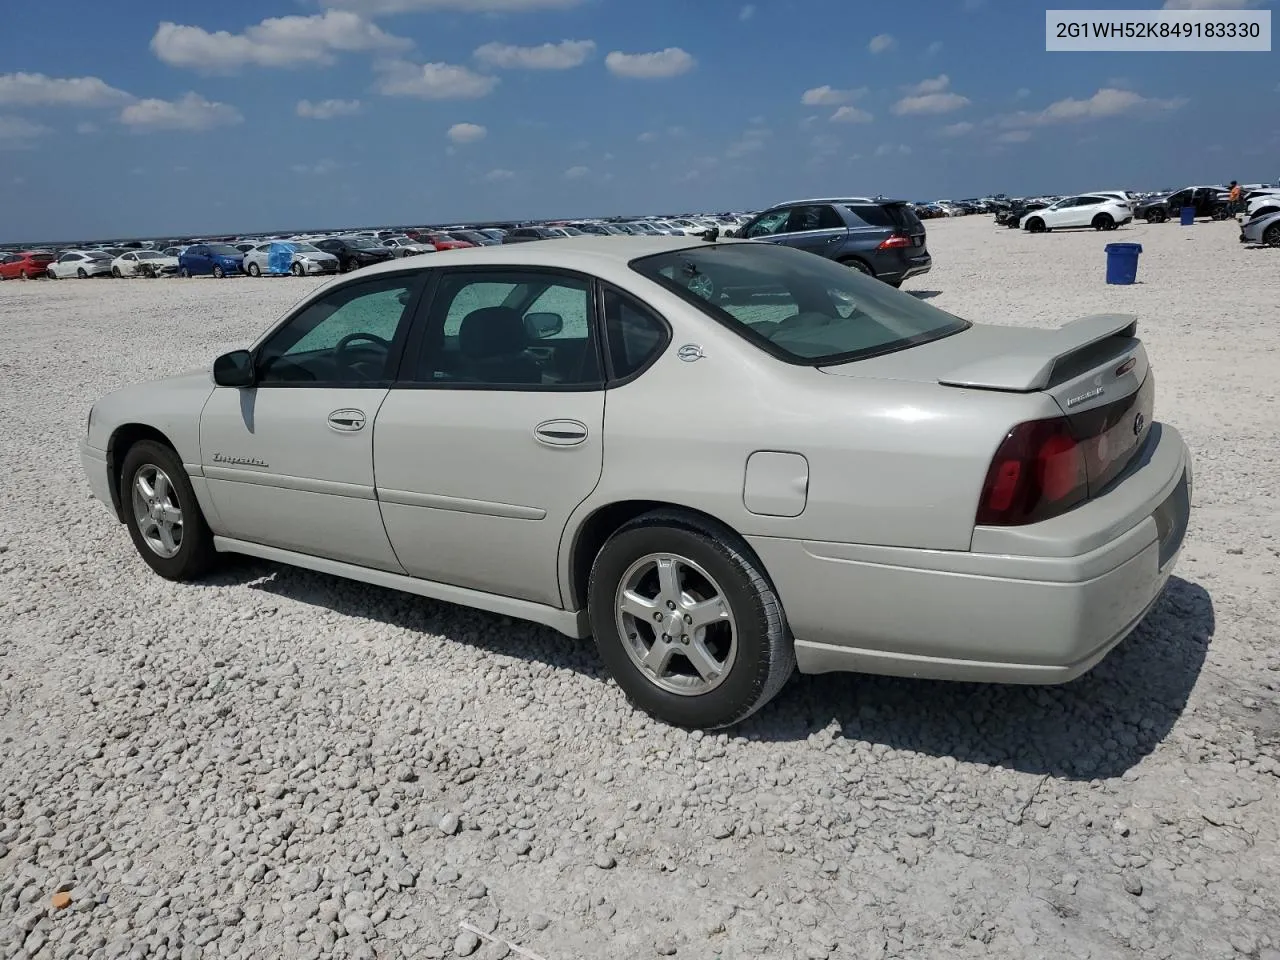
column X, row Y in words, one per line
column 80, row 263
column 144, row 263
column 1126, row 197
column 890, row 488
column 1265, row 202
column 401, row 246
column 1087, row 210
column 306, row 260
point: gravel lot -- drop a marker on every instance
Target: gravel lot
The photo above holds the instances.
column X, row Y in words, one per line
column 281, row 764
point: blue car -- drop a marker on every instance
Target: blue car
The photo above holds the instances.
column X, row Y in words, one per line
column 204, row 259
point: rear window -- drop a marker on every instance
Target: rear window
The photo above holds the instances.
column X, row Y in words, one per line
column 798, row 307
column 42, row 257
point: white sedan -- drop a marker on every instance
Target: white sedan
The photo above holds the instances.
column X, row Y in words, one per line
column 1101, row 212
column 821, row 471
column 80, row 263
column 302, row 258
column 144, row 263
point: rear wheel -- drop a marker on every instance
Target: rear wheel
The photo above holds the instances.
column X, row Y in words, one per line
column 254, row 270
column 861, row 266
column 115, row 272
column 687, row 623
column 1157, row 216
column 1104, row 221
column 1271, row 236
column 162, row 514
column 81, row 274
column 218, row 272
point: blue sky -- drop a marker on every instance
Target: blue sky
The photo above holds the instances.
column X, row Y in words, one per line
column 132, row 119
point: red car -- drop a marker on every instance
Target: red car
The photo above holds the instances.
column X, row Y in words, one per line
column 24, row 266
column 442, row 241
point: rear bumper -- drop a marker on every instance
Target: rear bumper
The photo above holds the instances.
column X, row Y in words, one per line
column 913, row 267
column 1047, row 615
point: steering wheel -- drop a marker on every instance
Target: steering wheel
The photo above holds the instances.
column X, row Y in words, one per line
column 340, row 350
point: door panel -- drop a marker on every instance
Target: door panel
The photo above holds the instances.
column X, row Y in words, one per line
column 472, row 496
column 279, row 474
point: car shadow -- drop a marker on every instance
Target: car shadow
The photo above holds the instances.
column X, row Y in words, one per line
column 924, row 294
column 1097, row 726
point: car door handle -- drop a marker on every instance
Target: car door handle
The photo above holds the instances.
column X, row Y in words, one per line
column 346, row 421
column 560, row 433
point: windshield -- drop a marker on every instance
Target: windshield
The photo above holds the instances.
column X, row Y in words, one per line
column 98, row 255
column 800, row 308
column 149, row 255
column 223, row 250
column 304, row 247
column 361, row 243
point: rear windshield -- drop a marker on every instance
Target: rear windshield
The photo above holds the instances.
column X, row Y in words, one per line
column 798, row 307
column 223, row 250
column 41, row 257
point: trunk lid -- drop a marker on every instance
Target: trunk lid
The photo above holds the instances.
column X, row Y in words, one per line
column 1095, row 368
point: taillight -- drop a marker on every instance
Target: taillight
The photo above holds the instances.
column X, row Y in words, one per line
column 895, row 242
column 1037, row 473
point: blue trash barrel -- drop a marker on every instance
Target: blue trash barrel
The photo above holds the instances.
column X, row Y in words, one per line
column 1122, row 262
column 1188, row 216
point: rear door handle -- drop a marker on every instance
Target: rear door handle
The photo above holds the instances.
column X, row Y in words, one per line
column 347, row 421
column 560, row 433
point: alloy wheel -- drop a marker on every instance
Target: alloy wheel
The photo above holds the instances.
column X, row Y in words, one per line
column 157, row 511
column 675, row 624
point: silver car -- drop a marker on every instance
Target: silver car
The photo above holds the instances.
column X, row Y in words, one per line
column 721, row 459
column 306, row 260
column 1264, row 229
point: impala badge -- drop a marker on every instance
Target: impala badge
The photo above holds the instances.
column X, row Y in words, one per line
column 690, row 352
column 1087, row 395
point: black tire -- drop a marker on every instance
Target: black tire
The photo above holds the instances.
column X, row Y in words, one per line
column 184, row 273
column 1157, row 215
column 255, row 270
column 81, row 274
column 1104, row 221
column 1271, row 236
column 896, row 284
column 765, row 653
column 218, row 272
column 861, row 266
column 115, row 272
column 195, row 555
column 296, row 269
column 1036, row 225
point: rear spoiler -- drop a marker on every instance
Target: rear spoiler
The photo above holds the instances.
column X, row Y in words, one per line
column 1022, row 373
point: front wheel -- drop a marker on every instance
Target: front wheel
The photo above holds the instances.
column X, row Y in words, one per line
column 162, row 514
column 687, row 623
column 1157, row 216
column 296, row 270
column 853, row 263
column 218, row 272
column 1271, row 237
column 81, row 274
column 1035, row 225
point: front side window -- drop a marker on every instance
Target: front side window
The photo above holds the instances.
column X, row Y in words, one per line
column 798, row 307
column 767, row 225
column 345, row 338
column 510, row 329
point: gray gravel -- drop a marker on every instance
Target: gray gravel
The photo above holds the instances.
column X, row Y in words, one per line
column 280, row 764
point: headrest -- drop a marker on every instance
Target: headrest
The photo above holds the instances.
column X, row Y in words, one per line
column 492, row 332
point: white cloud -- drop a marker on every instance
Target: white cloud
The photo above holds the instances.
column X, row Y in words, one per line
column 1211, row 4
column 932, row 85
column 752, row 141
column 1107, row 102
column 17, row 133
column 1022, row 93
column 647, row 137
column 467, row 132
column 548, row 56
column 933, row 49
column 576, row 173
column 276, row 42
column 851, row 115
column 191, row 112
column 670, row 62
column 827, row 96
column 433, row 81
column 327, row 109
column 887, row 149
column 1014, row 136
column 373, row 8
column 930, row 103
column 36, row 89
column 956, row 129
column 747, row 12
column 880, row 43
column 496, row 176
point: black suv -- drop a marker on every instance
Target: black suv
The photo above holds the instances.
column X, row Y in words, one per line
column 882, row 238
column 355, row 252
column 1208, row 202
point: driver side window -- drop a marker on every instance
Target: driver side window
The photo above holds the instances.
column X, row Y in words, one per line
column 345, row 338
column 769, row 224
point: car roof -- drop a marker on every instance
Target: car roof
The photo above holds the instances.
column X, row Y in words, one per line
column 787, row 203
column 571, row 253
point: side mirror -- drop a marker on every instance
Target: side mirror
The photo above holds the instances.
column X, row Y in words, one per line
column 234, row 369
column 539, row 326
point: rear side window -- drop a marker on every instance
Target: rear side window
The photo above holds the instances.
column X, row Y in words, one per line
column 872, row 216
column 634, row 333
